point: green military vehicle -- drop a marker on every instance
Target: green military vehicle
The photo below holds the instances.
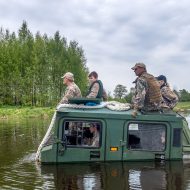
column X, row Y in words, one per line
column 118, row 136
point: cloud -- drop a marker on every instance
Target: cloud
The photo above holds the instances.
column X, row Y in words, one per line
column 115, row 34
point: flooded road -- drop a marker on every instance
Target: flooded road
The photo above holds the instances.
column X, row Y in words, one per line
column 19, row 141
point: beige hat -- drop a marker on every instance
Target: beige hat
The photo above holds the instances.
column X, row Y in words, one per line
column 139, row 65
column 69, row 76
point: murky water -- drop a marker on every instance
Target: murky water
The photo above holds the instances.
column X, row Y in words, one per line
column 18, row 170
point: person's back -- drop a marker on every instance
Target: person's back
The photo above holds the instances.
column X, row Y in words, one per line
column 72, row 89
column 170, row 99
column 153, row 94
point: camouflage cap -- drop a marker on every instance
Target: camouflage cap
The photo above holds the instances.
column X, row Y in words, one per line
column 69, row 76
column 139, row 65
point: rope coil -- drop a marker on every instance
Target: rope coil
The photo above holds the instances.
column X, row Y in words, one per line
column 117, row 106
column 81, row 106
column 112, row 105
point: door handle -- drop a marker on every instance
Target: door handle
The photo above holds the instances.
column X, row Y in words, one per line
column 122, row 143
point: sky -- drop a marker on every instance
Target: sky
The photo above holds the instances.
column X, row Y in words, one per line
column 114, row 34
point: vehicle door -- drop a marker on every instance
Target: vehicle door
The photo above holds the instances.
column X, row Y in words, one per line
column 146, row 140
column 81, row 140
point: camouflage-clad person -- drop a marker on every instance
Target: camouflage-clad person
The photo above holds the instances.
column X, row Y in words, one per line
column 170, row 99
column 147, row 95
column 72, row 89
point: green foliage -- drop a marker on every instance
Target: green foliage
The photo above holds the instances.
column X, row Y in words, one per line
column 184, row 95
column 31, row 67
column 120, row 91
column 128, row 97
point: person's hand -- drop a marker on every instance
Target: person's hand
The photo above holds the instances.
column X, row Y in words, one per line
column 134, row 114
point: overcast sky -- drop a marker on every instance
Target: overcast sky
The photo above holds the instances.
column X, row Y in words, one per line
column 114, row 34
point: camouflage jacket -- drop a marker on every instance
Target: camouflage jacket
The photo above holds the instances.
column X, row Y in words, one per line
column 70, row 92
column 95, row 89
column 141, row 100
column 169, row 97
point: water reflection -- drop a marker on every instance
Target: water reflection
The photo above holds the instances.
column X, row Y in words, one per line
column 18, row 143
column 18, row 170
column 117, row 175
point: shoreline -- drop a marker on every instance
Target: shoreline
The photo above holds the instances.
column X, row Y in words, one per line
column 18, row 112
column 8, row 112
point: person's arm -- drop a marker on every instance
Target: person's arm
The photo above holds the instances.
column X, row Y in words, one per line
column 139, row 97
column 94, row 91
column 104, row 95
column 69, row 93
column 168, row 94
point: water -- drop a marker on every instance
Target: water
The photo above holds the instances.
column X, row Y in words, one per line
column 18, row 170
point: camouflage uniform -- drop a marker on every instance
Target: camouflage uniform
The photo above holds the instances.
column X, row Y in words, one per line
column 71, row 92
column 170, row 99
column 94, row 90
column 141, row 98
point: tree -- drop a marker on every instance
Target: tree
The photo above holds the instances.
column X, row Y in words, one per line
column 120, row 91
column 128, row 97
column 184, row 95
column 31, row 67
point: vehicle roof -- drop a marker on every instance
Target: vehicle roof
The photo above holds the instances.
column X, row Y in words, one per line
column 106, row 113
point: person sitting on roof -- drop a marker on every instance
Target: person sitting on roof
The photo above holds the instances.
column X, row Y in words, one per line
column 72, row 89
column 170, row 99
column 96, row 89
column 147, row 95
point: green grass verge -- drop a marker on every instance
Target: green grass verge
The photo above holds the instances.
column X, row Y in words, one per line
column 183, row 106
column 44, row 112
column 25, row 112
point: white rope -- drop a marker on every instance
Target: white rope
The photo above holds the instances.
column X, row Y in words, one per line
column 37, row 158
column 117, row 106
column 112, row 105
column 81, row 106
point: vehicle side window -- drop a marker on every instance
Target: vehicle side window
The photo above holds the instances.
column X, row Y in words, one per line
column 147, row 136
column 82, row 133
column 177, row 137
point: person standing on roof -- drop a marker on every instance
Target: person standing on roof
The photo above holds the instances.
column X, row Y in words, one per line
column 72, row 89
column 147, row 95
column 170, row 99
column 96, row 89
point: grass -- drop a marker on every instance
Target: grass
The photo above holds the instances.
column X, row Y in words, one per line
column 25, row 112
column 182, row 106
column 44, row 112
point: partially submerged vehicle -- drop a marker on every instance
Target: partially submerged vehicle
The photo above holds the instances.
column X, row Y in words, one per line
column 121, row 137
